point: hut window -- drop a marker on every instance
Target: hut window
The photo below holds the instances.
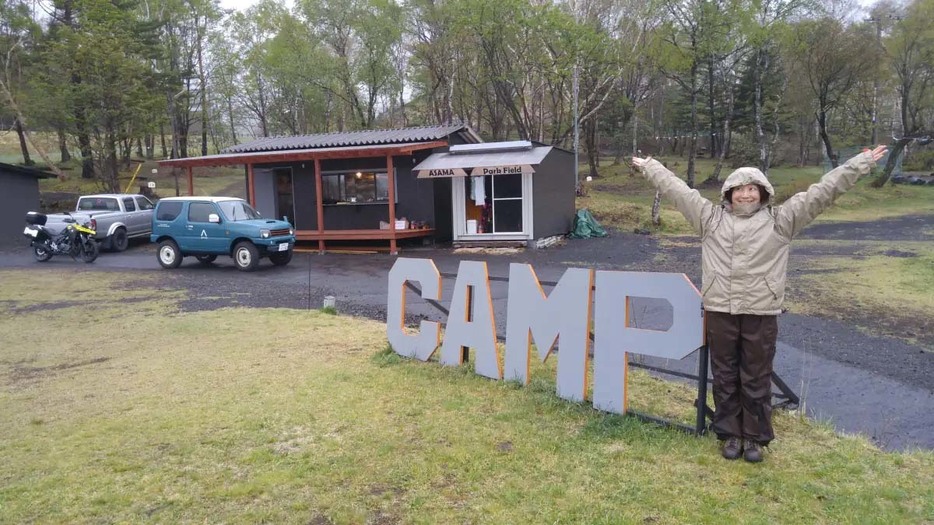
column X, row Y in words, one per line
column 355, row 187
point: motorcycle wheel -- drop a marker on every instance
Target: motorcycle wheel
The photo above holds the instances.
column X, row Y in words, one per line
column 41, row 253
column 89, row 251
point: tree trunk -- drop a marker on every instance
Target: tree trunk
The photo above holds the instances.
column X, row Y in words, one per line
column 63, row 145
column 110, row 167
column 590, row 143
column 692, row 151
column 84, row 144
column 715, row 177
column 760, row 66
column 230, row 118
column 127, row 150
column 711, row 108
column 165, row 152
column 727, row 134
column 204, row 96
column 22, row 142
column 656, row 209
column 894, row 153
column 87, row 158
column 150, row 145
column 804, row 135
column 825, row 138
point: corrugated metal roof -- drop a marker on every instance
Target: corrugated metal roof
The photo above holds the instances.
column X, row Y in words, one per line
column 254, row 157
column 436, row 161
column 26, row 170
column 349, row 138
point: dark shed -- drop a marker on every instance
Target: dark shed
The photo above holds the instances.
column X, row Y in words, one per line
column 19, row 193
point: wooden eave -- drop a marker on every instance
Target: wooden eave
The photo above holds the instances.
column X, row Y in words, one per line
column 271, row 157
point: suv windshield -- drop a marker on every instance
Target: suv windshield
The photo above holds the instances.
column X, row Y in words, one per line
column 238, row 211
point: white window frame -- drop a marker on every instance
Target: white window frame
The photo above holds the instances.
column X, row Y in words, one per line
column 459, row 211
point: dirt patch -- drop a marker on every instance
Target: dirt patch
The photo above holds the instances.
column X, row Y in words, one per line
column 488, row 251
column 899, row 254
column 30, row 373
column 58, row 305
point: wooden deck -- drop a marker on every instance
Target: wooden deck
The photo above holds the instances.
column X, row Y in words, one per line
column 361, row 235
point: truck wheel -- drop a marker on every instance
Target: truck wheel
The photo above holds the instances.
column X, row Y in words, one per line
column 246, row 256
column 41, row 253
column 281, row 258
column 119, row 240
column 168, row 254
column 205, row 259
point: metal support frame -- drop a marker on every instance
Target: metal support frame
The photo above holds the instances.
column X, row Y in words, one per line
column 703, row 412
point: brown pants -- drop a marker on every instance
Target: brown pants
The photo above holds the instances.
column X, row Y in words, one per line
column 742, row 348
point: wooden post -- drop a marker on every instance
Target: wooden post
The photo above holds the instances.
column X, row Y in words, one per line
column 319, row 204
column 250, row 189
column 392, row 205
column 191, row 182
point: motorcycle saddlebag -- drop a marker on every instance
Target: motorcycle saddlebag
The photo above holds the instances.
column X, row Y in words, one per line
column 36, row 218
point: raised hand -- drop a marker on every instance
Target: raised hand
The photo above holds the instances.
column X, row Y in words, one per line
column 640, row 162
column 878, row 152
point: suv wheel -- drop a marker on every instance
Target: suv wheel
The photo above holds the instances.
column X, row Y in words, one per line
column 246, row 256
column 168, row 254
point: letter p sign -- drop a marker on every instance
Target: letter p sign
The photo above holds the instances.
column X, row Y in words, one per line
column 614, row 337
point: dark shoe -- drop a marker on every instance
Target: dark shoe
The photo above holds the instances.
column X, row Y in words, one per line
column 752, row 451
column 732, row 448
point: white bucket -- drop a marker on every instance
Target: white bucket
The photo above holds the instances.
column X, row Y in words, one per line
column 329, row 301
column 471, row 227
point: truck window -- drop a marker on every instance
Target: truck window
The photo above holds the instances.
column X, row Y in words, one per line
column 143, row 203
column 98, row 204
column 199, row 211
column 168, row 211
column 128, row 204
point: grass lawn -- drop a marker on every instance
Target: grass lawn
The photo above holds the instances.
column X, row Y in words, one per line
column 887, row 283
column 121, row 408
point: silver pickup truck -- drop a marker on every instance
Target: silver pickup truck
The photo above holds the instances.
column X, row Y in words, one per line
column 117, row 217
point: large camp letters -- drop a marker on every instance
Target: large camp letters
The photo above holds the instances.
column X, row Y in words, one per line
column 563, row 316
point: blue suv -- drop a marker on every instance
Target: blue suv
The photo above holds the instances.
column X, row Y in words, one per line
column 206, row 227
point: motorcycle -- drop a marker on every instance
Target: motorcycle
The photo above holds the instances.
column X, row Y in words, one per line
column 75, row 240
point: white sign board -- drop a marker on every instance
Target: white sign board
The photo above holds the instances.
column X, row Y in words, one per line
column 151, row 184
column 441, row 173
column 515, row 169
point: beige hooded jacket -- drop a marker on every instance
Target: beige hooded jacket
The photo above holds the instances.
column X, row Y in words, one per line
column 745, row 258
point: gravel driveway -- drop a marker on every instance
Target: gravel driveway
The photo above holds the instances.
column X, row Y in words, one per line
column 878, row 386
